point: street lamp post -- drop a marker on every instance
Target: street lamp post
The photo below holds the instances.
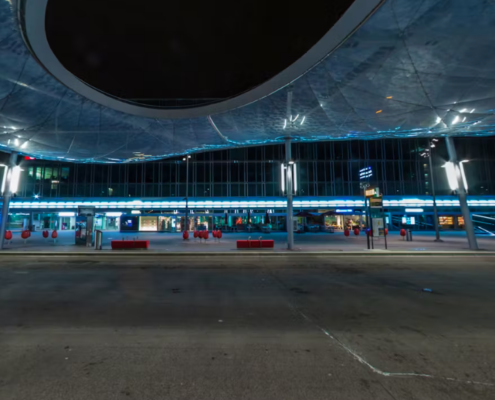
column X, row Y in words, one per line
column 289, row 189
column 431, row 145
column 186, row 223
column 7, row 193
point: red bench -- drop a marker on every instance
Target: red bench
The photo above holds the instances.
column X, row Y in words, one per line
column 130, row 244
column 255, row 244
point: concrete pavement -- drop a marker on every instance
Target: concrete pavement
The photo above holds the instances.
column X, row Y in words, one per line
column 86, row 328
column 308, row 242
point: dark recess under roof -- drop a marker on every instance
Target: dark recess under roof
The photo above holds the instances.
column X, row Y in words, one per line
column 155, row 49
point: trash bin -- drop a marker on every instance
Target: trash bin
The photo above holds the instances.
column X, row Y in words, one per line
column 409, row 236
column 98, row 239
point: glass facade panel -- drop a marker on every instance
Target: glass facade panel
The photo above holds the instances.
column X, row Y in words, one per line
column 324, row 169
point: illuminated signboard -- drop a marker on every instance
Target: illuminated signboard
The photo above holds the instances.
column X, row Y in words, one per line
column 365, row 173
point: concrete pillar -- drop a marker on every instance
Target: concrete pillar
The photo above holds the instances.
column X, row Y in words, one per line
column 462, row 195
column 7, row 195
column 288, row 188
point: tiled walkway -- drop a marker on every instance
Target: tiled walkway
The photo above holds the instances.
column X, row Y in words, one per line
column 173, row 242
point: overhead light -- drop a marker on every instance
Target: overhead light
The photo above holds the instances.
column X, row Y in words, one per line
column 463, row 110
column 135, row 212
column 414, row 210
column 432, row 145
column 389, row 97
column 472, row 110
column 295, row 119
column 435, row 140
column 285, row 123
column 184, row 159
column 188, row 156
column 291, row 162
column 66, row 214
column 439, row 120
column 16, row 142
column 456, row 120
column 464, row 161
column 464, row 119
column 304, row 119
column 379, row 111
column 113, row 214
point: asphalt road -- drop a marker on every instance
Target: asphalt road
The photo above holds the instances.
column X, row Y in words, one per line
column 245, row 328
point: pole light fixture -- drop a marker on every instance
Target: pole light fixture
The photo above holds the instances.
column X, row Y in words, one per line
column 453, row 172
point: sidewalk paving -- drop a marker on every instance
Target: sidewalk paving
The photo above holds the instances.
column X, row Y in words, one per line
column 308, row 242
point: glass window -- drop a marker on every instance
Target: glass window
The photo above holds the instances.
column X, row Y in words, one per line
column 217, row 172
column 65, row 173
column 48, row 173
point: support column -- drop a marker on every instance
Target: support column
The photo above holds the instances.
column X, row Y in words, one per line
column 7, row 195
column 288, row 188
column 462, row 195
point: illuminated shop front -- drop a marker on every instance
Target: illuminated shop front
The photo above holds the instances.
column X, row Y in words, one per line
column 250, row 214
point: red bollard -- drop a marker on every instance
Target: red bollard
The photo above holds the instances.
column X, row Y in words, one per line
column 206, row 235
column 8, row 236
column 385, row 231
column 219, row 235
column 403, row 234
column 356, row 232
column 25, row 235
column 195, row 234
column 45, row 234
column 346, row 232
column 214, row 233
column 54, row 236
column 185, row 235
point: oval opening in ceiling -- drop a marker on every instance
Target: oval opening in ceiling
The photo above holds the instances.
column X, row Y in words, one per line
column 179, row 54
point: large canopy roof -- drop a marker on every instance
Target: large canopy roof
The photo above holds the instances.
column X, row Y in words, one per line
column 409, row 69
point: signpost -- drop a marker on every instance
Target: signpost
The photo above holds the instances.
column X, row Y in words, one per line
column 364, row 176
column 373, row 199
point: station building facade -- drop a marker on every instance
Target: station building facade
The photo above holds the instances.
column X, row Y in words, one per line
column 242, row 187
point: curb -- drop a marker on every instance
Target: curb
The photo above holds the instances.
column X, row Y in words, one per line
column 260, row 254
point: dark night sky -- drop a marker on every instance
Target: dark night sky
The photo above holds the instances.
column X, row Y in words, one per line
column 184, row 49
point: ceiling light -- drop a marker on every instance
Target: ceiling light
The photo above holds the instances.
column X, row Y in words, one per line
column 456, row 120
column 295, row 119
column 389, row 97
column 304, row 119
column 379, row 111
column 285, row 123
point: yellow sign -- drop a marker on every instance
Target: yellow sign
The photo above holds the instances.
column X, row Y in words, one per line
column 372, row 192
